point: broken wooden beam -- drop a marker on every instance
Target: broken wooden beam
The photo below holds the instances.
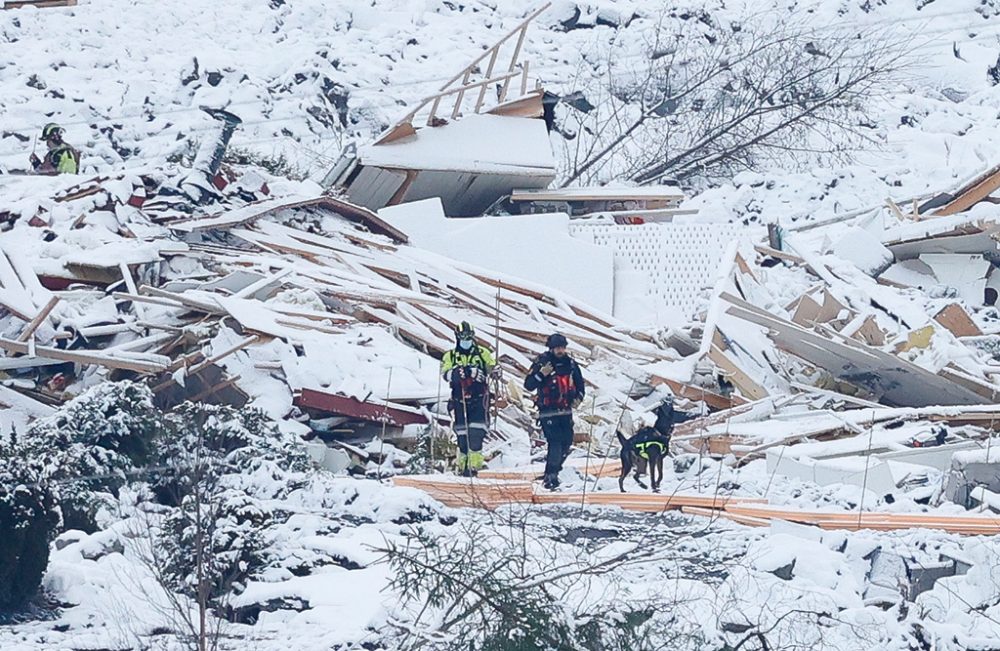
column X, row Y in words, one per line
column 489, row 493
column 208, row 391
column 148, row 365
column 383, row 412
column 695, row 393
column 189, row 302
column 231, row 218
column 748, row 387
column 20, row 290
column 226, row 353
column 781, row 255
column 972, row 193
column 33, row 325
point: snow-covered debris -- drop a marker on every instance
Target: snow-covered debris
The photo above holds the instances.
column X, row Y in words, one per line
column 844, row 401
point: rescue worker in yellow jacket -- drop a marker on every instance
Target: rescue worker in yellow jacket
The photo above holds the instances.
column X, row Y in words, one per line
column 61, row 158
column 467, row 369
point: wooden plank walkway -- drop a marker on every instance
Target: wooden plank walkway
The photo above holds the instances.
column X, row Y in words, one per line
column 762, row 515
column 490, row 493
column 493, row 492
column 595, row 468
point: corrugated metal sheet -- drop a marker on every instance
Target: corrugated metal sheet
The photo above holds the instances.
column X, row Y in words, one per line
column 467, row 194
column 373, row 187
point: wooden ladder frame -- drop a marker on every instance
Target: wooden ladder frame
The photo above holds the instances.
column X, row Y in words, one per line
column 404, row 127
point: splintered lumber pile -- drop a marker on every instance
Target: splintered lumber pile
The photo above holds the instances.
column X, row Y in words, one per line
column 421, row 297
column 762, row 515
column 308, row 271
column 21, row 293
column 460, row 491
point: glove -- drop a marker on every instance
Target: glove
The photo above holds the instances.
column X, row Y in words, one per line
column 477, row 374
column 456, row 375
column 35, row 160
column 577, row 401
column 546, row 369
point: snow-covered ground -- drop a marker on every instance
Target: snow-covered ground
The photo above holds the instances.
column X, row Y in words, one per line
column 126, row 78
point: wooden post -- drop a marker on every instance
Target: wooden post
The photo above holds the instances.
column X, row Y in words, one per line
column 226, row 353
column 489, row 72
column 83, row 357
column 458, row 99
column 513, row 62
column 37, row 321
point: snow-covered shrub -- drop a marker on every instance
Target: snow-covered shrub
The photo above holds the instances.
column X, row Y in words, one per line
column 28, row 522
column 232, row 541
column 221, row 462
column 98, row 438
column 113, row 424
column 205, row 442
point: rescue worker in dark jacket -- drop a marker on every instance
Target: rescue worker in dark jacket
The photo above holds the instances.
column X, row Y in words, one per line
column 557, row 379
column 61, row 158
column 467, row 369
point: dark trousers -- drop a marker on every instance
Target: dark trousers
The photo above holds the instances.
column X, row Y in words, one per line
column 470, row 423
column 558, row 432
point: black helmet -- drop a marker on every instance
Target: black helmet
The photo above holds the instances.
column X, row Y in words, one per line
column 51, row 129
column 556, row 341
column 465, row 331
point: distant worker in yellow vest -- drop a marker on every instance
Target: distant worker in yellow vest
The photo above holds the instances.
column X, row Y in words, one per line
column 61, row 158
column 467, row 369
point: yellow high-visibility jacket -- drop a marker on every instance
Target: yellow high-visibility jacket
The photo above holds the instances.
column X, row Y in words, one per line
column 476, row 357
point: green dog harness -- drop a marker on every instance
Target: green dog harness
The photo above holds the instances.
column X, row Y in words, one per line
column 642, row 448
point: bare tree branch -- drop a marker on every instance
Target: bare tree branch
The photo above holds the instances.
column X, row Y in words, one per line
column 760, row 91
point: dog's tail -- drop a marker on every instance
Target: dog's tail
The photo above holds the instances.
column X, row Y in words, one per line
column 621, row 438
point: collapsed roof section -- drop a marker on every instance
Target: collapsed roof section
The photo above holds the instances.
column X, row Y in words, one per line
column 317, row 310
column 470, row 151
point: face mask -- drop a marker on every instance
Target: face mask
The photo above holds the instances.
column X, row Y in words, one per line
column 465, row 344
